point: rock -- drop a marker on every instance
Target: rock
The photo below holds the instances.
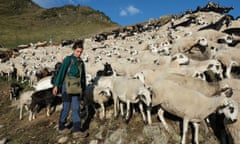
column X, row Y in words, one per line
column 153, row 132
column 63, row 139
column 3, row 141
column 118, row 137
column 93, row 142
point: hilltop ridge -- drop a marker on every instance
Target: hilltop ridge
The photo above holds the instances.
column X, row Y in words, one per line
column 23, row 21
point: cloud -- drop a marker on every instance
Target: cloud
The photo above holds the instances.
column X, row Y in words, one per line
column 123, row 13
column 130, row 10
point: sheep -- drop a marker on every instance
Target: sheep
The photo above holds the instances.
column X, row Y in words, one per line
column 41, row 99
column 43, row 83
column 233, row 127
column 7, row 69
column 25, row 100
column 185, row 44
column 149, row 77
column 227, row 56
column 192, row 66
column 190, row 105
column 131, row 91
column 14, row 91
column 99, row 95
column 233, row 130
column 107, row 71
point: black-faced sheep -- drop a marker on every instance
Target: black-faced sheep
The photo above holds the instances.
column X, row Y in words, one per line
column 14, row 91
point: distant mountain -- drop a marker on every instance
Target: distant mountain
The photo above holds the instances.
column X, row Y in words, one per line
column 23, row 21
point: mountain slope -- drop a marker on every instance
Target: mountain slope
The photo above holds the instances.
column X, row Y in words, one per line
column 22, row 22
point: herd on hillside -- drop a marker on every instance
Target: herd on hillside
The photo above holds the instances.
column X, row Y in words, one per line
column 188, row 66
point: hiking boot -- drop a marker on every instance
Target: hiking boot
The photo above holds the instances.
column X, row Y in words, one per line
column 65, row 131
column 80, row 134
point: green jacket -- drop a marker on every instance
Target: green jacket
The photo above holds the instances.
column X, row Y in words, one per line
column 73, row 71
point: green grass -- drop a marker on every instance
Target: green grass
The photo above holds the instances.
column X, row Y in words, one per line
column 23, row 22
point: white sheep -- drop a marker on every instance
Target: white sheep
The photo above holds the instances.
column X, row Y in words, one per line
column 99, row 95
column 191, row 105
column 7, row 68
column 131, row 91
column 43, row 83
column 149, row 77
column 24, row 100
column 233, row 128
column 185, row 44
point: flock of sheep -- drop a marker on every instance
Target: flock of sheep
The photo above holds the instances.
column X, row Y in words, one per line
column 189, row 70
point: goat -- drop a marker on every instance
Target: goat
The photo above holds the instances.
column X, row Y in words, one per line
column 40, row 99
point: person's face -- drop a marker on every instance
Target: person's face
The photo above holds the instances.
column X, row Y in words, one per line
column 77, row 52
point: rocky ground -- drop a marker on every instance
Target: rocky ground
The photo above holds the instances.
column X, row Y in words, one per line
column 43, row 130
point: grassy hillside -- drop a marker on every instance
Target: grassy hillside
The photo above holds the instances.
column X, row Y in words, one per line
column 22, row 22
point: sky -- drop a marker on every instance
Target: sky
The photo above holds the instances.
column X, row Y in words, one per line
column 128, row 12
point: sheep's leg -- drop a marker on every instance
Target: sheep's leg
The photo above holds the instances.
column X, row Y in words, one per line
column 121, row 108
column 26, row 107
column 48, row 110
column 196, row 130
column 21, row 110
column 103, row 111
column 161, row 117
column 149, row 115
column 30, row 115
column 8, row 76
column 133, row 110
column 10, row 96
column 34, row 115
column 185, row 129
column 128, row 112
column 142, row 112
column 116, row 106
column 34, row 112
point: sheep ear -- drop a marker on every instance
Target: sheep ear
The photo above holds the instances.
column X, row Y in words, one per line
column 173, row 58
column 227, row 91
column 101, row 93
column 150, row 88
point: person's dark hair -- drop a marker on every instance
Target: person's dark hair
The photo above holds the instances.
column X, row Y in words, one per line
column 78, row 44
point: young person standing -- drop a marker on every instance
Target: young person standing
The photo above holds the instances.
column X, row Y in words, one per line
column 72, row 66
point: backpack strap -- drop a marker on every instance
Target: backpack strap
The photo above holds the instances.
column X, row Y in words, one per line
column 79, row 66
column 69, row 65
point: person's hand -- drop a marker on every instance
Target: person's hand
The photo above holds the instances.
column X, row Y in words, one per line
column 55, row 90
